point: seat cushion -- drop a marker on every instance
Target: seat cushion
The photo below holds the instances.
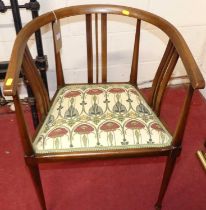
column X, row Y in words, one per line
column 100, row 117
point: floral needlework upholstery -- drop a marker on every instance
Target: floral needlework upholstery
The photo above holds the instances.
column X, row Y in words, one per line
column 100, row 117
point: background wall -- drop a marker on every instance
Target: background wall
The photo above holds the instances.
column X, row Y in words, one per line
column 187, row 15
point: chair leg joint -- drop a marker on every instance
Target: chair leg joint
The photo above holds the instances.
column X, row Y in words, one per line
column 176, row 150
column 30, row 160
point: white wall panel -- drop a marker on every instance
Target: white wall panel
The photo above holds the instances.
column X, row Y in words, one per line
column 5, row 49
column 49, row 5
column 142, row 4
column 196, row 39
column 180, row 12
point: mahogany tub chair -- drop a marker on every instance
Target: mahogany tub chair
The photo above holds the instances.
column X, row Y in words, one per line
column 100, row 120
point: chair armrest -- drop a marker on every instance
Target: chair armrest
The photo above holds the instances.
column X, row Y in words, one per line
column 12, row 75
column 192, row 69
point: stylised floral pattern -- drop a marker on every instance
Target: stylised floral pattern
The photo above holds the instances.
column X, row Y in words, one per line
column 56, row 135
column 100, row 117
column 109, row 126
column 117, row 90
column 57, row 132
column 94, row 91
column 135, row 126
column 84, row 129
column 156, row 127
column 71, row 94
column 160, row 130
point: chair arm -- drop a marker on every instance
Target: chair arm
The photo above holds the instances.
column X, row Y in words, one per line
column 12, row 75
column 192, row 69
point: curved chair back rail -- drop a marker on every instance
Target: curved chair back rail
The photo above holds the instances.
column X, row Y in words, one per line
column 175, row 37
column 176, row 48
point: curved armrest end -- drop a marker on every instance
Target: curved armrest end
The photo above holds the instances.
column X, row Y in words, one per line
column 12, row 75
column 9, row 86
column 195, row 75
column 199, row 84
column 191, row 67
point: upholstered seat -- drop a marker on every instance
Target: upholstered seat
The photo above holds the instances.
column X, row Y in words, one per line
column 100, row 117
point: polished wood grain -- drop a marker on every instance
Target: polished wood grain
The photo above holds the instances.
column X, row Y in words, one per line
column 135, row 58
column 58, row 63
column 23, row 128
column 89, row 47
column 176, row 49
column 163, row 79
column 104, row 46
column 36, row 178
column 170, row 164
column 97, row 47
column 180, row 127
column 158, row 76
column 36, row 83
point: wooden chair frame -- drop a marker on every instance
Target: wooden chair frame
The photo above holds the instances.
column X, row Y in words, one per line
column 176, row 48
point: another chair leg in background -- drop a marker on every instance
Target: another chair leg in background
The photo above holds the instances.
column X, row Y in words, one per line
column 35, row 174
column 166, row 177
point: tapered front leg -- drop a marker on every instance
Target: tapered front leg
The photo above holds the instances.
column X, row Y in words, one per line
column 35, row 175
column 167, row 175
